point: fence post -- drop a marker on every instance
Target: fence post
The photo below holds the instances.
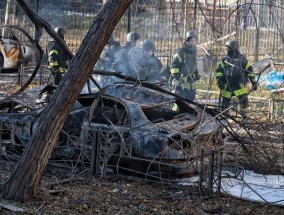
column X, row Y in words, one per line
column 260, row 14
column 129, row 20
column 211, row 170
column 195, row 15
column 201, row 169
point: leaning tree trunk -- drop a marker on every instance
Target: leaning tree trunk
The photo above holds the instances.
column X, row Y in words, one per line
column 24, row 182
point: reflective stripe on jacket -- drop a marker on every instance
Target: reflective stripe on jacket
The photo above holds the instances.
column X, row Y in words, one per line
column 184, row 61
column 57, row 57
column 235, row 85
column 228, row 92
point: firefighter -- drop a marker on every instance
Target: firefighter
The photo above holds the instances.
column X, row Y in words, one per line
column 107, row 57
column 234, row 75
column 57, row 58
column 149, row 65
column 184, row 68
column 123, row 58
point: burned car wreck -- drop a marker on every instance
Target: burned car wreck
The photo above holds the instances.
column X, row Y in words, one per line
column 17, row 48
column 147, row 132
column 124, row 127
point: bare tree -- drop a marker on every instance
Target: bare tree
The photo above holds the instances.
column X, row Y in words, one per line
column 24, row 182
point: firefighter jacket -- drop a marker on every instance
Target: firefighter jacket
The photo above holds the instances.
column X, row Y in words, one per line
column 57, row 57
column 184, row 65
column 107, row 57
column 149, row 68
column 233, row 73
column 122, row 59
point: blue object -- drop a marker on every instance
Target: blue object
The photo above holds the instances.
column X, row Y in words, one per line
column 272, row 80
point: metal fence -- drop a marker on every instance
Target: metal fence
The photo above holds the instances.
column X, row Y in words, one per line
column 256, row 26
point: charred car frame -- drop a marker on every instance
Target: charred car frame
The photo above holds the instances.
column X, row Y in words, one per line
column 124, row 128
column 138, row 129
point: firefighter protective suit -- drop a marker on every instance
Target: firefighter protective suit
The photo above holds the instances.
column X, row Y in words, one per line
column 57, row 57
column 233, row 75
column 123, row 59
column 148, row 65
column 184, row 71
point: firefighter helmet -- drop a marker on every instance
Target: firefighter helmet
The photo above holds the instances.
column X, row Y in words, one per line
column 148, row 45
column 232, row 44
column 132, row 37
column 190, row 35
column 60, row 31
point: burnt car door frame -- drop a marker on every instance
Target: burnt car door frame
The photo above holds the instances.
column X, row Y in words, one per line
column 23, row 47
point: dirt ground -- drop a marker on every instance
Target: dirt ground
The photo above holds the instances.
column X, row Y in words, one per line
column 84, row 194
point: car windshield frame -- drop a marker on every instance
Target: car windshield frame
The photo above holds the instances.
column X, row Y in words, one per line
column 11, row 27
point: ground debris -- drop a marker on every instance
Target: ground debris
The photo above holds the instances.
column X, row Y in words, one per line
column 10, row 207
column 120, row 195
